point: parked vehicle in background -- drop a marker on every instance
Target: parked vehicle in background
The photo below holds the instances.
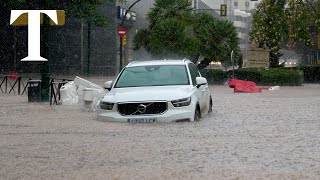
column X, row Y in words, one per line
column 156, row 91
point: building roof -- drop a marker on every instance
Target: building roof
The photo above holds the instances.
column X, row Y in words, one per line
column 204, row 7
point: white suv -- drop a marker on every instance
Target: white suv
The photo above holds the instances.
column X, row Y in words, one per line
column 156, row 91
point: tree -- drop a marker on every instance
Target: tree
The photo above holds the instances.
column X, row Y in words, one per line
column 164, row 9
column 217, row 38
column 314, row 10
column 169, row 39
column 176, row 31
column 83, row 9
column 292, row 23
column 168, row 33
column 268, row 27
column 299, row 20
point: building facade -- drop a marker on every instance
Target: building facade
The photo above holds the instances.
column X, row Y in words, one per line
column 239, row 12
column 77, row 48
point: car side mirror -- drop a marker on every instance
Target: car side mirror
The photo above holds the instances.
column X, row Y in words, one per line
column 108, row 85
column 201, row 81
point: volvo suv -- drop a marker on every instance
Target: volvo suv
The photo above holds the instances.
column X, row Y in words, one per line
column 156, row 91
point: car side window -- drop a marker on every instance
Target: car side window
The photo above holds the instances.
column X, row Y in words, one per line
column 196, row 70
column 193, row 72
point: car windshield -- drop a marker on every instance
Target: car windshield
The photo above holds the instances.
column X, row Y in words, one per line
column 153, row 75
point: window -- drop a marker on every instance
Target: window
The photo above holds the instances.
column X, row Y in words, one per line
column 247, row 4
column 195, row 4
column 194, row 73
column 235, row 4
column 153, row 75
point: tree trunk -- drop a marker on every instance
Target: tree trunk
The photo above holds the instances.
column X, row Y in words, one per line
column 195, row 58
column 274, row 60
column 204, row 63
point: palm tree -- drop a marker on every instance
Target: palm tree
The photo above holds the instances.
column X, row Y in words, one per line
column 175, row 31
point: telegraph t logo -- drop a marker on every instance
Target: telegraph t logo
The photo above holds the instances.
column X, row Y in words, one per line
column 34, row 21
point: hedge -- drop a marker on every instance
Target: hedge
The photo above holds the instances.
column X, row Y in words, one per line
column 214, row 76
column 282, row 77
column 261, row 76
column 311, row 73
column 247, row 74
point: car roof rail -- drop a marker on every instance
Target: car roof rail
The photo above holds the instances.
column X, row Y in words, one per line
column 185, row 60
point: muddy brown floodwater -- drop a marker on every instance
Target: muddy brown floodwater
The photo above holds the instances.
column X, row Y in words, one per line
column 269, row 135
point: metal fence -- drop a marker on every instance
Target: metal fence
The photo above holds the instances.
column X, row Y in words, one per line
column 55, row 85
column 311, row 58
column 18, row 85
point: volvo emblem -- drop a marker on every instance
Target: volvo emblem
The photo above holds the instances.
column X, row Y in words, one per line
column 142, row 108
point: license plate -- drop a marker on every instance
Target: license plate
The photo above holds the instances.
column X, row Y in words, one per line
column 142, row 120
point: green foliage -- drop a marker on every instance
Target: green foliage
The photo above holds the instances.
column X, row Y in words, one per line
column 247, row 74
column 141, row 39
column 295, row 23
column 176, row 31
column 83, row 9
column 298, row 18
column 303, row 25
column 168, row 39
column 268, row 27
column 266, row 77
column 164, row 9
column 282, row 77
column 169, row 35
column 214, row 76
column 217, row 37
column 311, row 73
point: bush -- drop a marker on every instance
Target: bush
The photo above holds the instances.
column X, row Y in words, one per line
column 311, row 73
column 246, row 74
column 282, row 77
column 261, row 76
column 214, row 76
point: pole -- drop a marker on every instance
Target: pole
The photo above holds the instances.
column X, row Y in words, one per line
column 45, row 71
column 89, row 48
column 15, row 48
column 232, row 59
column 120, row 55
column 128, row 11
column 82, row 43
column 248, row 22
column 120, row 48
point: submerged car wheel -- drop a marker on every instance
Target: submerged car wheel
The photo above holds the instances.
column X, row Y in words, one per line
column 210, row 105
column 197, row 115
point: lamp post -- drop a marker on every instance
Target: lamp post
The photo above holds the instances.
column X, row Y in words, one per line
column 45, row 71
column 121, row 38
column 232, row 60
column 128, row 11
column 89, row 49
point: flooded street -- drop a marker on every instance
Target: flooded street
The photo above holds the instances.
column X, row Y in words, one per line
column 268, row 135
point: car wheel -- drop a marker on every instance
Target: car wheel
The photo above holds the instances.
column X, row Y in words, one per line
column 210, row 105
column 197, row 115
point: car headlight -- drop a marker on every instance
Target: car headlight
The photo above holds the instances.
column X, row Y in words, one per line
column 106, row 105
column 181, row 102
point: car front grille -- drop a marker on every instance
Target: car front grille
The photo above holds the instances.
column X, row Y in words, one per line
column 140, row 108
